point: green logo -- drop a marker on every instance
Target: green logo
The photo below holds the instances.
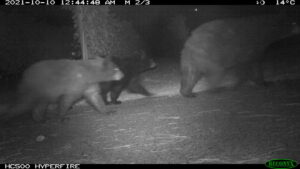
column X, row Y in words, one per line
column 281, row 164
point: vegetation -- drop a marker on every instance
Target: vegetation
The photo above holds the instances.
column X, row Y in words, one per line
column 101, row 33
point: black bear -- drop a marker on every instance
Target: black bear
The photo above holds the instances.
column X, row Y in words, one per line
column 132, row 67
column 63, row 82
column 230, row 45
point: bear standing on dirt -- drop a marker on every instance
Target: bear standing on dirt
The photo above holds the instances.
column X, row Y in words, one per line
column 62, row 82
column 230, row 45
column 132, row 67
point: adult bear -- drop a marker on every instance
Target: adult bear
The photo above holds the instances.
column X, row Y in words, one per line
column 230, row 45
column 62, row 82
column 132, row 67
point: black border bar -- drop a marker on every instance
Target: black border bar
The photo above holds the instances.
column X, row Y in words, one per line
column 137, row 2
column 138, row 166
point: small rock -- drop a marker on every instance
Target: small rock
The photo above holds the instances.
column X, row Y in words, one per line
column 40, row 138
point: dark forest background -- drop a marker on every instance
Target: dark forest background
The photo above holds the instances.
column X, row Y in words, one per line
column 29, row 34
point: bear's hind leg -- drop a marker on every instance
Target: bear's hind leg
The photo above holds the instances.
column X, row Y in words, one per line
column 65, row 104
column 116, row 91
column 39, row 111
column 214, row 79
column 92, row 97
column 105, row 87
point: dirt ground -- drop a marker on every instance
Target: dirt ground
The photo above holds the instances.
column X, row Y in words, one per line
column 247, row 125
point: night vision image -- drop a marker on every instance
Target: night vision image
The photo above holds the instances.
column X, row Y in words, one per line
column 150, row 84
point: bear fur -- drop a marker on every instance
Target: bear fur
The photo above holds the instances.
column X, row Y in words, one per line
column 132, row 67
column 62, row 82
column 234, row 45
